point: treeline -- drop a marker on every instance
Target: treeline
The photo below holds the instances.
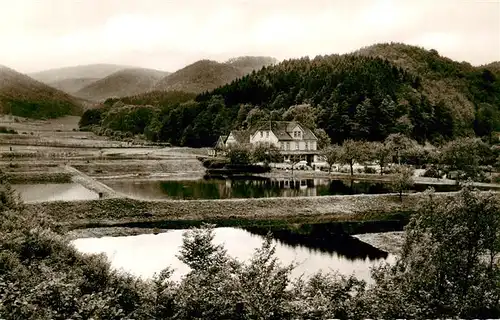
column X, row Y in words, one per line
column 39, row 108
column 460, row 159
column 447, row 269
column 353, row 96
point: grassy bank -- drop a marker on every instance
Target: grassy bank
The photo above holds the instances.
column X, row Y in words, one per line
column 392, row 224
column 39, row 177
column 126, row 212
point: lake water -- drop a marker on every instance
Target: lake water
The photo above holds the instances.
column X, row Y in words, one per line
column 144, row 255
column 54, row 192
column 252, row 188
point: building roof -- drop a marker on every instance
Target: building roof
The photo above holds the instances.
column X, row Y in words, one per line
column 241, row 136
column 282, row 129
column 220, row 142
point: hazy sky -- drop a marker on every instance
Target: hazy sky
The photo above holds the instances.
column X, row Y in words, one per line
column 168, row 34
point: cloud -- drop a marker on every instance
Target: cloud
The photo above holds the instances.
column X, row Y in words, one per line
column 163, row 34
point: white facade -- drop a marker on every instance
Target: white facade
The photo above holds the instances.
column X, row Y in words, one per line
column 298, row 145
column 264, row 137
column 231, row 140
column 292, row 139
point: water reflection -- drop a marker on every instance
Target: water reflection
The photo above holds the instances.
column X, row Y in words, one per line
column 144, row 255
column 321, row 238
column 54, row 192
column 253, row 188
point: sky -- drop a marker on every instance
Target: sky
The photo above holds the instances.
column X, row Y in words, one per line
column 169, row 34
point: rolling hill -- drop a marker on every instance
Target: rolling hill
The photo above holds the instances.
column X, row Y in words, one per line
column 90, row 71
column 455, row 85
column 126, row 82
column 247, row 64
column 23, row 96
column 365, row 95
column 494, row 67
column 72, row 85
column 200, row 76
column 206, row 75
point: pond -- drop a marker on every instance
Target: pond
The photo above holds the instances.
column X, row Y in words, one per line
column 54, row 192
column 253, row 188
column 144, row 255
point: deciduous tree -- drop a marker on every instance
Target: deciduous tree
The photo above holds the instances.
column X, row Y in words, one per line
column 382, row 153
column 353, row 151
column 332, row 155
column 465, row 155
column 402, row 180
column 448, row 265
column 398, row 143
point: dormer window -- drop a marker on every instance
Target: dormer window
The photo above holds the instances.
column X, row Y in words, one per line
column 267, row 134
column 261, row 134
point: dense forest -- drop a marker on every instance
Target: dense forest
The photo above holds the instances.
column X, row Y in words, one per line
column 23, row 96
column 365, row 95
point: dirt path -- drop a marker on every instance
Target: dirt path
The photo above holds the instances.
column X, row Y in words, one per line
column 92, row 184
column 391, row 242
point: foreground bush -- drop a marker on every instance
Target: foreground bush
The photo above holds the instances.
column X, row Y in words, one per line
column 448, row 266
column 447, row 269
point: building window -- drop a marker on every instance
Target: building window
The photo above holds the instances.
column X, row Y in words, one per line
column 313, row 145
column 261, row 134
column 307, row 145
column 267, row 134
column 288, row 145
column 282, row 146
column 296, row 146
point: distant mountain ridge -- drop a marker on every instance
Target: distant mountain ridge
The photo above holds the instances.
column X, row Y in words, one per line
column 206, row 75
column 200, row 76
column 89, row 71
column 98, row 82
column 125, row 82
column 247, row 64
column 72, row 86
column 24, row 96
column 367, row 95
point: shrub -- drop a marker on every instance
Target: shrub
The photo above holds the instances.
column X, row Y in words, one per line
column 90, row 117
column 239, row 156
column 432, row 172
column 402, row 180
column 370, row 170
column 7, row 130
column 448, row 258
column 495, row 179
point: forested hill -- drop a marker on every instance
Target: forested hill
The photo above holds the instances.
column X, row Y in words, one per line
column 368, row 94
column 23, row 96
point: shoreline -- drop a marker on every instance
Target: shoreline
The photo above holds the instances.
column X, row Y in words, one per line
column 129, row 212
